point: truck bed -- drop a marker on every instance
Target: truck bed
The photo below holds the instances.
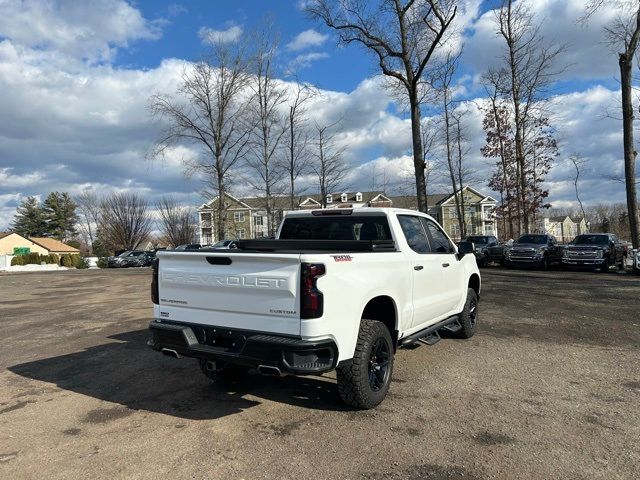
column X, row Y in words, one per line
column 309, row 246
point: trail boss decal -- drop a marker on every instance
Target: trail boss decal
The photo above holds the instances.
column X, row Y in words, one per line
column 342, row 258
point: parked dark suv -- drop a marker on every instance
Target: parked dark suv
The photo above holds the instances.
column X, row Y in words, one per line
column 598, row 251
column 486, row 248
column 540, row 250
column 130, row 258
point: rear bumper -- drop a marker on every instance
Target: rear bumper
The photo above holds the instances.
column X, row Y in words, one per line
column 242, row 347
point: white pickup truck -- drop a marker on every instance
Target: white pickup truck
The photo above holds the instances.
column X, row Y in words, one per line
column 338, row 289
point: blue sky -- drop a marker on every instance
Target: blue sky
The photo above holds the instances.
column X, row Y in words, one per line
column 182, row 21
column 75, row 78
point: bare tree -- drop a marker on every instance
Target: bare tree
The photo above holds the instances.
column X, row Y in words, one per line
column 269, row 96
column 624, row 35
column 177, row 222
column 327, row 163
column 442, row 83
column 125, row 220
column 429, row 141
column 210, row 114
column 578, row 162
column 403, row 36
column 297, row 137
column 500, row 144
column 531, row 66
column 88, row 204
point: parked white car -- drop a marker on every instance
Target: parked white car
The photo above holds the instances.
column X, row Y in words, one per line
column 338, row 289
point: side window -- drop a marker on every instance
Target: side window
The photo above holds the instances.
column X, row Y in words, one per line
column 414, row 233
column 439, row 241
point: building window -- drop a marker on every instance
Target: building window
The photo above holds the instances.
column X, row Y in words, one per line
column 343, row 197
column 454, row 230
column 452, row 213
column 238, row 217
column 329, row 198
column 358, row 197
column 258, row 220
column 240, row 233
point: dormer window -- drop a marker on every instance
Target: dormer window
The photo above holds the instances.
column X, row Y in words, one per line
column 329, row 198
column 358, row 197
column 343, row 197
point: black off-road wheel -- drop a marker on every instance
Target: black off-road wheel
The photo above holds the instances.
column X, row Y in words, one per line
column 604, row 268
column 223, row 372
column 364, row 381
column 469, row 316
column 544, row 263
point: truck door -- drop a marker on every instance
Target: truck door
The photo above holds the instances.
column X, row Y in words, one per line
column 451, row 275
column 431, row 299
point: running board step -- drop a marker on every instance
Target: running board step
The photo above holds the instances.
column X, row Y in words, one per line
column 453, row 327
column 430, row 339
column 430, row 335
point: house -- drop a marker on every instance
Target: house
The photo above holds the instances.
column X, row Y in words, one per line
column 247, row 217
column 478, row 213
column 12, row 243
column 564, row 227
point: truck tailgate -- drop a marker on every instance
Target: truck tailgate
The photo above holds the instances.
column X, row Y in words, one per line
column 234, row 290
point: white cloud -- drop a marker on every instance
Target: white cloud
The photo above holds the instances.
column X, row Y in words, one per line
column 307, row 39
column 210, row 36
column 19, row 181
column 77, row 125
column 89, row 30
column 305, row 60
column 586, row 56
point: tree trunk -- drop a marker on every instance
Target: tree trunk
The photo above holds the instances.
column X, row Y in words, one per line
column 463, row 226
column 452, row 175
column 626, row 64
column 221, row 226
column 292, row 144
column 418, row 154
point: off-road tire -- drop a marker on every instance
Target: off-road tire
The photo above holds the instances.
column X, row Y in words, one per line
column 605, row 266
column 226, row 374
column 544, row 263
column 354, row 384
column 469, row 316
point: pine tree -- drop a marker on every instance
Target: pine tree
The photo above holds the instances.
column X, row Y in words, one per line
column 60, row 215
column 29, row 220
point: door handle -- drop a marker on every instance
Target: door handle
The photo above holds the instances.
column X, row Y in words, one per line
column 418, row 267
column 445, row 265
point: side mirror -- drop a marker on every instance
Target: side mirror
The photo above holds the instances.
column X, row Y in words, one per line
column 465, row 248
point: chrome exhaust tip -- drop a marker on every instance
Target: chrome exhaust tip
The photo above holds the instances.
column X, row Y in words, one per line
column 269, row 370
column 170, row 353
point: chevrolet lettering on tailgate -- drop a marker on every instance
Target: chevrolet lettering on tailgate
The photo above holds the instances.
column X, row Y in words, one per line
column 250, row 281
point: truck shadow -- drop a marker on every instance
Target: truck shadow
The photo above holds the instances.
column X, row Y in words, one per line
column 129, row 373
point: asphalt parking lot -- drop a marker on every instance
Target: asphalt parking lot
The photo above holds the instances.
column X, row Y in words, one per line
column 548, row 388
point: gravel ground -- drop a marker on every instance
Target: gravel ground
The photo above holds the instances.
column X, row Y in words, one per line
column 548, row 388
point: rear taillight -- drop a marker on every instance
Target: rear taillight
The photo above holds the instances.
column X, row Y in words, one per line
column 311, row 300
column 155, row 291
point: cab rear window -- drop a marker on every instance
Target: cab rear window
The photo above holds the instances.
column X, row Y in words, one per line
column 369, row 227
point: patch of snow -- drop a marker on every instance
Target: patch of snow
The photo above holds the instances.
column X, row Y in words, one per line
column 33, row 268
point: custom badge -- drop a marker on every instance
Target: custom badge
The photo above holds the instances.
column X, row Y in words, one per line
column 342, row 258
